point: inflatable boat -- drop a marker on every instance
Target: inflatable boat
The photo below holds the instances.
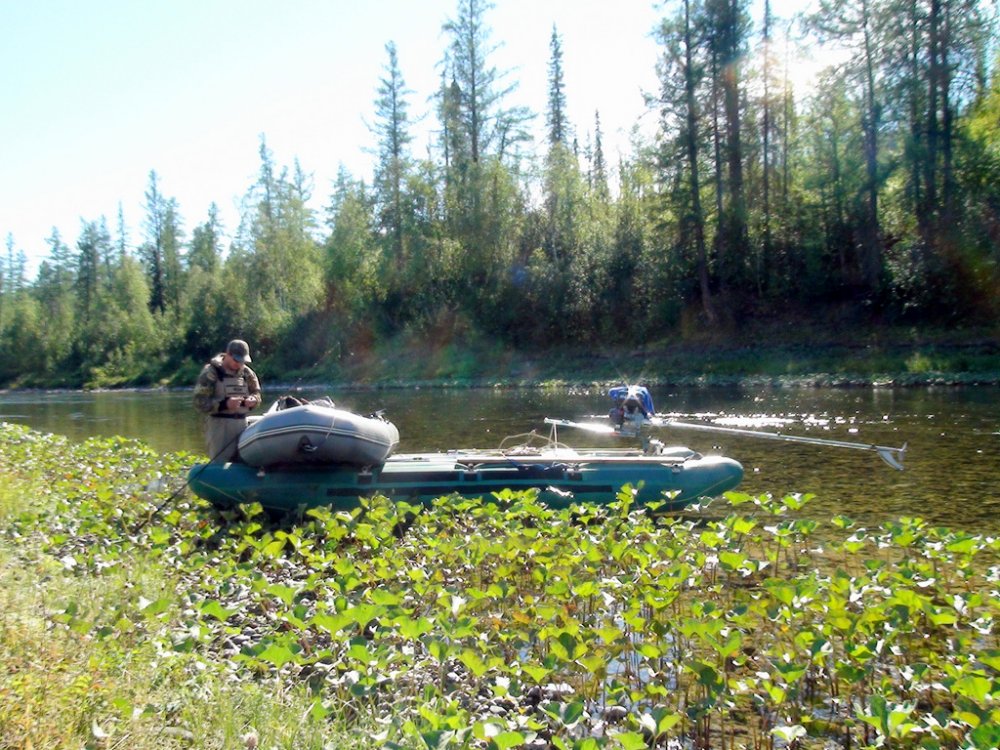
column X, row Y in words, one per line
column 673, row 477
column 301, row 456
column 292, row 433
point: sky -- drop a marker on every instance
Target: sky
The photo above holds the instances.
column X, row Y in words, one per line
column 98, row 93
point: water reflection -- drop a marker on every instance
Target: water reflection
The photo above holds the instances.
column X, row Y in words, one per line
column 952, row 461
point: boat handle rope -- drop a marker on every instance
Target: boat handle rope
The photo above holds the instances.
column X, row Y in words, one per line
column 184, row 485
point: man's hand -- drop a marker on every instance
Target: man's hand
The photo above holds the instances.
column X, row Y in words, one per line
column 251, row 402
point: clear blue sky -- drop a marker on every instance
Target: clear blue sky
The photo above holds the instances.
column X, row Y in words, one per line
column 96, row 93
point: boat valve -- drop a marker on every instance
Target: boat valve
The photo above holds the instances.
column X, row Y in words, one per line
column 653, row 447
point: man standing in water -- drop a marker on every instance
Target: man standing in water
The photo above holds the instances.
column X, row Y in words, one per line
column 226, row 391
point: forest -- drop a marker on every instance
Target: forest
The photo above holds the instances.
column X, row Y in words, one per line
column 873, row 201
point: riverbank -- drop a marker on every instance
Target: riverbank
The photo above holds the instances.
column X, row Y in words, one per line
column 764, row 357
column 761, row 356
column 480, row 624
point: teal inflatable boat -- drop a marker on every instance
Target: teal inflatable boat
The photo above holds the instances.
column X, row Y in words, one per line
column 562, row 476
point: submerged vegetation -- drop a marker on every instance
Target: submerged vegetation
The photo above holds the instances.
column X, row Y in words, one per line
column 474, row 624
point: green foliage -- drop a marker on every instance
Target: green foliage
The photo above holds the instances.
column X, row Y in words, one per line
column 273, row 274
column 503, row 623
column 24, row 327
column 353, row 260
column 871, row 200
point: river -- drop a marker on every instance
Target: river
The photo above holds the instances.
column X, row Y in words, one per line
column 952, row 435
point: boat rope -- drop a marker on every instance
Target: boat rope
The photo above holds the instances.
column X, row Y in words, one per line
column 525, row 448
column 187, row 481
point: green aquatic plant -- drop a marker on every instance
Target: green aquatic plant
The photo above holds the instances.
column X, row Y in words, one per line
column 478, row 623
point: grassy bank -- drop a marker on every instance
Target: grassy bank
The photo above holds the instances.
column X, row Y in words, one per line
column 94, row 630
column 808, row 356
column 480, row 625
column 774, row 355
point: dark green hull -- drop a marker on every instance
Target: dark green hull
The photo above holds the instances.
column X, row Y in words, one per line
column 561, row 480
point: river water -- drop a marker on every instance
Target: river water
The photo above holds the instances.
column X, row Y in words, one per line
column 952, row 434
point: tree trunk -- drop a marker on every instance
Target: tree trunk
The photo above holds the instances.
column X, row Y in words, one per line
column 871, row 249
column 691, row 139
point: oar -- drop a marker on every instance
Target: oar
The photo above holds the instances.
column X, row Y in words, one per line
column 892, row 456
column 600, row 429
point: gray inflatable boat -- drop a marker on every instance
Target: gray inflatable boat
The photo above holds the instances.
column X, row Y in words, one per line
column 317, row 433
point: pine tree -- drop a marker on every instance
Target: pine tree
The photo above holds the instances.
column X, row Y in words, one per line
column 682, row 74
column 273, row 273
column 152, row 250
column 727, row 27
column 481, row 198
column 766, row 128
column 834, row 171
column 352, row 259
column 860, row 27
column 478, row 87
column 161, row 252
column 206, row 243
column 173, row 256
column 562, row 189
column 92, row 247
column 394, row 161
column 14, row 268
column 122, row 235
column 599, row 168
column 556, row 114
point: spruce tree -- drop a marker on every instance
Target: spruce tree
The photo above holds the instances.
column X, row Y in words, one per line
column 556, row 113
column 394, row 164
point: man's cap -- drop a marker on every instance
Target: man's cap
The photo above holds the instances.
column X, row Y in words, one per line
column 239, row 350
